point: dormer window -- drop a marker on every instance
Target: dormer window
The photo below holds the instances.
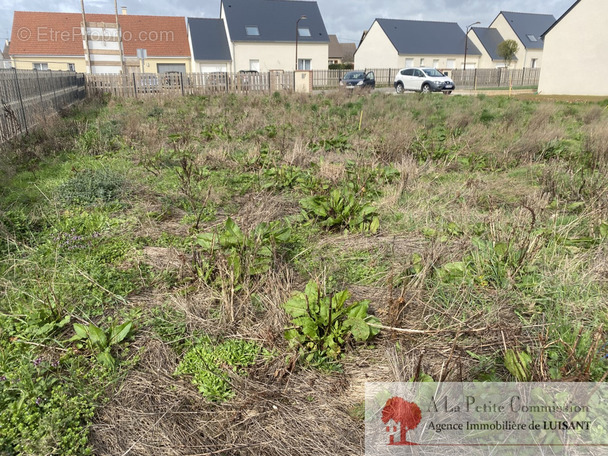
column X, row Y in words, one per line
column 252, row 30
column 304, row 31
column 532, row 38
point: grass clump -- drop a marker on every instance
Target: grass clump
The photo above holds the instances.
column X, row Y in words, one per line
column 92, row 185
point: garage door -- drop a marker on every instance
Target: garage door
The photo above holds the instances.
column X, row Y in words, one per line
column 175, row 67
column 212, row 68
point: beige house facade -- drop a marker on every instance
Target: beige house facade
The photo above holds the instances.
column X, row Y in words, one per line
column 567, row 48
column 487, row 41
column 209, row 44
column 526, row 30
column 267, row 35
column 393, row 43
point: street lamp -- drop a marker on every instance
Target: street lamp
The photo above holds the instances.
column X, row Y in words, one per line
column 297, row 33
column 466, row 43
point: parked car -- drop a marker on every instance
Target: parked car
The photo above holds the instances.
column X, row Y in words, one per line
column 172, row 79
column 147, row 83
column 423, row 80
column 246, row 78
column 358, row 80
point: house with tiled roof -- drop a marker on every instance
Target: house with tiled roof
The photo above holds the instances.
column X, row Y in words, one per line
column 340, row 52
column 397, row 43
column 209, row 43
column 265, row 35
column 526, row 30
column 54, row 41
column 574, row 48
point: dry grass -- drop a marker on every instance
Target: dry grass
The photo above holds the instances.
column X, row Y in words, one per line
column 597, row 143
column 155, row 413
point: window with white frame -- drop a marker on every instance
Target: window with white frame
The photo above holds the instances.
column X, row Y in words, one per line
column 534, row 63
column 41, row 66
column 409, row 63
column 71, row 67
column 304, row 64
column 304, row 31
column 435, row 63
column 421, row 61
column 254, row 65
column 451, row 64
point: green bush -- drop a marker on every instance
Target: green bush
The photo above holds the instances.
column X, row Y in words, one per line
column 341, row 66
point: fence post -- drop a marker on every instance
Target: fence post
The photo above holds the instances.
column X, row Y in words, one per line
column 523, row 72
column 134, row 86
column 39, row 90
column 20, row 100
column 54, row 92
column 181, row 80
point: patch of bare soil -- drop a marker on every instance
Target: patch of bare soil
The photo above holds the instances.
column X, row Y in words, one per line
column 263, row 207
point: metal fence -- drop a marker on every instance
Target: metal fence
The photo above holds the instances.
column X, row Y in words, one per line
column 179, row 84
column 29, row 97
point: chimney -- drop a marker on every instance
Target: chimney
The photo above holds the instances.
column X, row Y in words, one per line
column 124, row 10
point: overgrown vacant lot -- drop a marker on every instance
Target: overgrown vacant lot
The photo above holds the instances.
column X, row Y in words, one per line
column 222, row 275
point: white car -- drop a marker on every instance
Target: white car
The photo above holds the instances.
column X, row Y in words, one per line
column 423, row 80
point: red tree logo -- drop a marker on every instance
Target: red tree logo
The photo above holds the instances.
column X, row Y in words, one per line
column 406, row 414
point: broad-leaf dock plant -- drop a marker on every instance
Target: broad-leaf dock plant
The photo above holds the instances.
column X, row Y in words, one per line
column 246, row 254
column 100, row 341
column 323, row 325
column 342, row 208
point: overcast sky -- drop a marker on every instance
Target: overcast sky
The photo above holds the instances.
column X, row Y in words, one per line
column 345, row 18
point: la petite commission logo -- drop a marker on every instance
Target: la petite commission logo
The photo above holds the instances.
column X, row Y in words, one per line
column 403, row 413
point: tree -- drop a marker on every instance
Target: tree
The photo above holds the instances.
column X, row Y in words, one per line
column 507, row 50
column 407, row 414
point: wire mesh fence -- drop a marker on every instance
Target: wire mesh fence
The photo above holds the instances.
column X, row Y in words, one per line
column 30, row 97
